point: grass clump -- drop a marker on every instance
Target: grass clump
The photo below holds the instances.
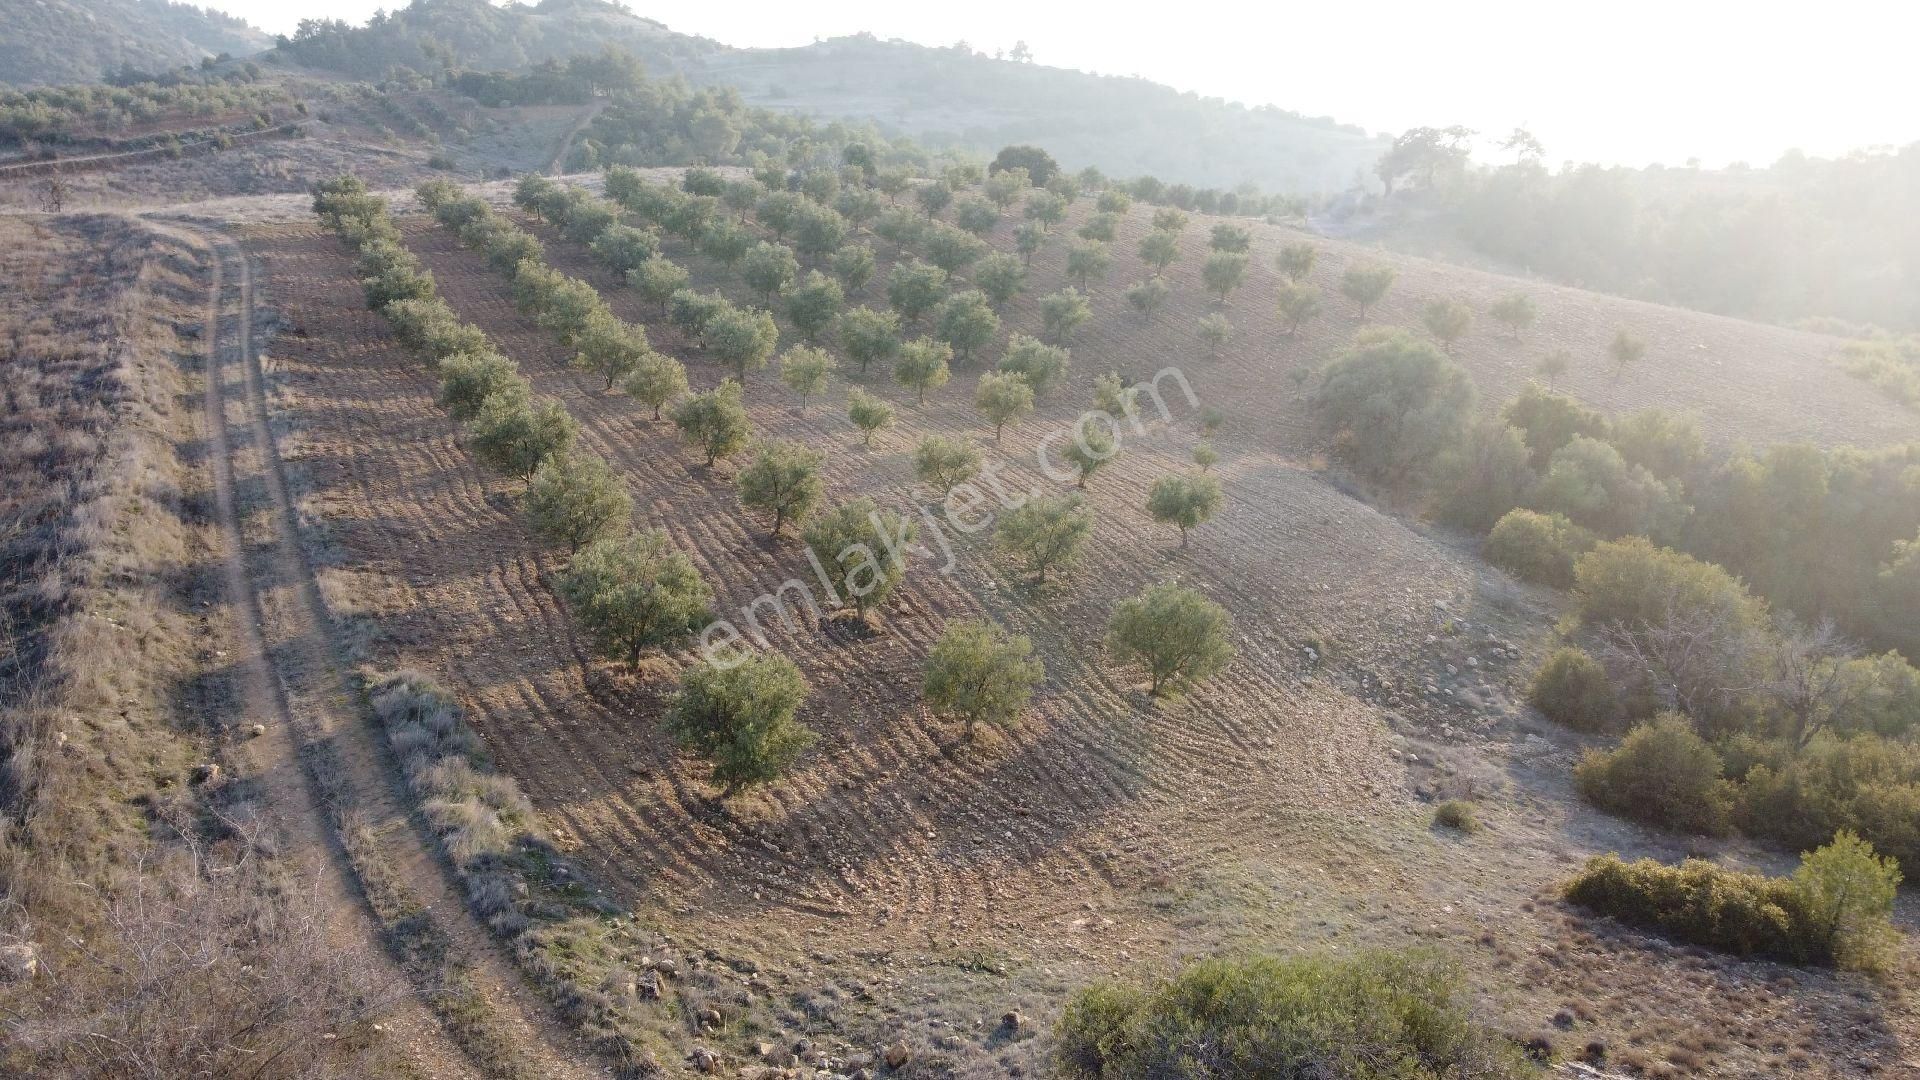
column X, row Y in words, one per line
column 1458, row 815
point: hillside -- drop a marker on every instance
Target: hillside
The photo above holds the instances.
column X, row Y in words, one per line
column 50, row 42
column 1125, row 126
column 943, row 97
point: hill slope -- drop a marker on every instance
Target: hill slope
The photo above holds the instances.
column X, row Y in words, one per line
column 68, row 41
column 1125, row 126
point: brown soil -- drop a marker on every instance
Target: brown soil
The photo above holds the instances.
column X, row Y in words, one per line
column 900, row 882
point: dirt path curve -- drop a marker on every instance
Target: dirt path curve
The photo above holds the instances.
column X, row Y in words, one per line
column 559, row 159
column 294, row 683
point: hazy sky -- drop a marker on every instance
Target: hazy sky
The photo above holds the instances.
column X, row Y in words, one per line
column 1628, row 82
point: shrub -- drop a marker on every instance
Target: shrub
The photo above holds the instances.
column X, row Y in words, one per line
column 1385, row 1015
column 1536, row 547
column 1633, row 582
column 1572, row 689
column 1866, row 784
column 1834, row 910
column 1483, row 477
column 1588, row 481
column 1393, row 404
column 1549, row 421
column 1663, row 773
column 740, row 716
column 1179, row 636
column 979, row 672
column 1458, row 815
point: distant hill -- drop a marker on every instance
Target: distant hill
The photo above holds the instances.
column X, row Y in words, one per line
column 48, row 42
column 1126, row 126
column 940, row 96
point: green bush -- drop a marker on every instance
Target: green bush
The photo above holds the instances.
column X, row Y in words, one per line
column 1833, row 911
column 1373, row 1016
column 1537, row 547
column 1457, row 814
column 1392, row 404
column 1866, row 784
column 1664, row 774
column 1634, row 582
column 1572, row 689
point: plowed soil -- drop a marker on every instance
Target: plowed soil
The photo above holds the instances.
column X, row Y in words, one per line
column 902, row 883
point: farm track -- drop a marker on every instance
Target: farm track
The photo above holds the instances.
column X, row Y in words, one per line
column 294, row 679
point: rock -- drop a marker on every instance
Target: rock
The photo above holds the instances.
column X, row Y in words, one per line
column 19, row 962
column 764, row 1051
column 803, row 1047
column 257, row 730
column 666, row 966
column 1013, row 1021
column 711, row 1015
column 898, row 1054
column 704, row 1059
column 863, row 1073
column 205, row 774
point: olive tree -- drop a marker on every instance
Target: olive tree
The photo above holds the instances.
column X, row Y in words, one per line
column 1044, row 533
column 715, row 422
column 767, row 268
column 513, row 434
column 922, row 366
column 1088, row 262
column 1003, row 398
column 1028, row 238
column 1224, row 272
column 1297, row 303
column 977, row 672
column 868, row 413
column 1447, row 319
column 806, row 370
column 783, row 479
column 966, row 322
column 610, row 348
column 633, row 593
column 1160, row 249
column 1296, row 261
column 953, row 250
column 1366, row 284
column 1043, row 366
column 743, row 337
column 869, row 335
column 1184, row 501
column 1063, row 313
column 575, row 498
column 1626, row 349
column 1149, row 296
column 943, row 462
column 1215, row 331
column 857, row 564
column 655, row 381
column 1115, row 397
column 740, row 714
column 469, row 379
column 1000, row 277
column 657, row 279
column 813, row 304
column 1179, row 636
column 853, row 266
column 1515, row 310
column 1228, row 237
column 914, row 288
column 1093, row 446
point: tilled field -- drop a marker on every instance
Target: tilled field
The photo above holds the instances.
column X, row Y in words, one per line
column 900, row 879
